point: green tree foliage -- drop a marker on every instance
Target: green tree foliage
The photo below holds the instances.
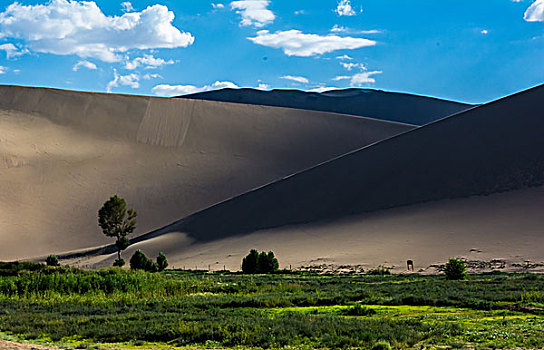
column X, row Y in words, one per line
column 116, row 221
column 262, row 262
column 140, row 261
column 52, row 260
column 455, row 269
column 162, row 263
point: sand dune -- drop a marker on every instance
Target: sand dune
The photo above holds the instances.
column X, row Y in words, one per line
column 505, row 227
column 405, row 108
column 63, row 153
column 492, row 148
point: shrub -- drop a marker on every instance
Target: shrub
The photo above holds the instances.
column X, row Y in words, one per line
column 455, row 269
column 119, row 262
column 358, row 310
column 381, row 271
column 162, row 263
column 139, row 261
column 382, row 345
column 262, row 262
column 52, row 260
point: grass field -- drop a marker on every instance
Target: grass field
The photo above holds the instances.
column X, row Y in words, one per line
column 116, row 308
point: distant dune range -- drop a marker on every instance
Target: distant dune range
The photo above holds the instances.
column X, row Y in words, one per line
column 405, row 108
column 63, row 153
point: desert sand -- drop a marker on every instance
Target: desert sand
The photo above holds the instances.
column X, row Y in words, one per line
column 63, row 153
column 324, row 191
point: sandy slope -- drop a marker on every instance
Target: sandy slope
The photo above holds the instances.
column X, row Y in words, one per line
column 307, row 217
column 406, row 108
column 506, row 226
column 491, row 148
column 63, row 153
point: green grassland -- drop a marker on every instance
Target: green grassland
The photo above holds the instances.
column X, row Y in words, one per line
column 116, row 308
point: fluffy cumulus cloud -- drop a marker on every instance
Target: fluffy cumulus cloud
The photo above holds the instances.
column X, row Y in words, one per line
column 12, row 50
column 64, row 27
column 3, row 69
column 132, row 80
column 84, row 64
column 302, row 80
column 254, row 12
column 350, row 65
column 359, row 78
column 176, row 90
column 344, row 8
column 147, row 61
column 218, row 6
column 295, row 43
column 535, row 12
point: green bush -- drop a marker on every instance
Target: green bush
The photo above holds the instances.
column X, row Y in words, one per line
column 382, row 345
column 455, row 269
column 262, row 262
column 52, row 260
column 358, row 310
column 162, row 263
column 139, row 261
column 119, row 262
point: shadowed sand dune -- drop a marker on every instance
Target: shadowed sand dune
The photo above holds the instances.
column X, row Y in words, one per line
column 405, row 108
column 63, row 153
column 505, row 226
column 492, row 148
column 330, row 214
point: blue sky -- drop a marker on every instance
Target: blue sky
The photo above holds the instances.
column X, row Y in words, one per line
column 466, row 50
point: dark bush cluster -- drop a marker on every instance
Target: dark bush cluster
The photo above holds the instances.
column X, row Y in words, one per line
column 52, row 260
column 262, row 262
column 140, row 261
column 455, row 269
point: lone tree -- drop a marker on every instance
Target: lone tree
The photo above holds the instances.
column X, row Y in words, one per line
column 112, row 221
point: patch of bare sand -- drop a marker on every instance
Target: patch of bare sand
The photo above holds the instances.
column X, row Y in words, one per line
column 10, row 345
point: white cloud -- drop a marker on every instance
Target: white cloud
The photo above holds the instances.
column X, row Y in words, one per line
column 299, row 12
column 65, row 27
column 11, row 50
column 175, row 90
column 344, row 57
column 151, row 76
column 338, row 29
column 350, row 65
column 263, row 86
column 3, row 69
column 253, row 12
column 359, row 78
column 132, row 80
column 364, row 78
column 148, row 61
column 127, row 6
column 84, row 64
column 295, row 43
column 535, row 12
column 302, row 80
column 217, row 6
column 484, row 31
column 323, row 89
column 344, row 8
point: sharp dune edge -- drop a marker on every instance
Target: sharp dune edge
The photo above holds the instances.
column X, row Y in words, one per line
column 489, row 149
column 63, row 153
